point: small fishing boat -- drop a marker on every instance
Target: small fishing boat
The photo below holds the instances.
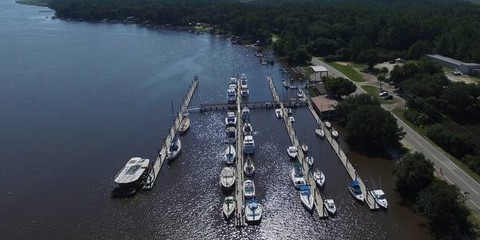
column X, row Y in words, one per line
column 309, row 161
column 227, row 177
column 231, row 135
column 231, row 119
column 278, row 113
column 231, row 96
column 131, row 178
column 174, row 150
column 245, row 114
column 297, row 176
column 247, row 129
column 330, row 206
column 228, row 206
column 356, row 190
column 304, row 148
column 249, row 168
column 379, row 197
column 319, row 178
column 184, row 125
column 233, row 81
column 230, row 154
column 248, row 145
column 306, row 196
column 292, row 152
column 253, row 211
column 328, row 125
column 244, row 92
column 249, row 189
column 334, row 133
column 291, row 119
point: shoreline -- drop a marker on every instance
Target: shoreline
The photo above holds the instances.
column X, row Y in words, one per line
column 38, row 3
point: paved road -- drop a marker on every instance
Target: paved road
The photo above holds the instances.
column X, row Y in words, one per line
column 450, row 171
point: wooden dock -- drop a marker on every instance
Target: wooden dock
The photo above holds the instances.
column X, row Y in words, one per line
column 171, row 134
column 343, row 158
column 240, row 178
column 301, row 157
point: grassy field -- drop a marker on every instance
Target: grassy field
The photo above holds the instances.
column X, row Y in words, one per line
column 348, row 71
column 400, row 113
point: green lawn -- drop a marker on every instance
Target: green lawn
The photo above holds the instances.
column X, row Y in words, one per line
column 348, row 71
column 399, row 113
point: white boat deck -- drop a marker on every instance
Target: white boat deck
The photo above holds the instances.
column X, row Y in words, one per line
column 171, row 134
column 301, row 157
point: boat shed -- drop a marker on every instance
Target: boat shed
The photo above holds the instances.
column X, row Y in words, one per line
column 464, row 68
column 318, row 73
column 324, row 106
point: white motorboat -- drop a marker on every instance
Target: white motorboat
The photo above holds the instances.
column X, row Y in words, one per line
column 231, row 96
column 253, row 211
column 291, row 119
column 379, row 197
column 174, row 150
column 230, row 154
column 289, row 111
column 247, row 129
column 309, row 160
column 248, row 145
column 319, row 178
column 301, row 95
column 228, row 206
column 184, row 125
column 248, row 167
column 132, row 177
column 231, row 134
column 233, row 81
column 231, row 119
column 306, row 196
column 278, row 113
column 334, row 133
column 319, row 132
column 243, row 81
column 330, row 206
column 227, row 177
column 249, row 189
column 297, row 176
column 233, row 86
column 304, row 148
column 328, row 125
column 292, row 152
column 356, row 190
column 245, row 114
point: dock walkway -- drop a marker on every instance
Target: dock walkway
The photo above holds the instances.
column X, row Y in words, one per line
column 240, row 178
column 343, row 158
column 171, row 134
column 301, row 157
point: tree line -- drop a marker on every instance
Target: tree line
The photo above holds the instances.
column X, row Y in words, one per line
column 347, row 30
column 442, row 108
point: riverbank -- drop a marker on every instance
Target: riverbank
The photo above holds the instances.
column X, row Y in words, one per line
column 39, row 3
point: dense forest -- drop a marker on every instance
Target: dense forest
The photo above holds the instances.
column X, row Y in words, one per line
column 350, row 30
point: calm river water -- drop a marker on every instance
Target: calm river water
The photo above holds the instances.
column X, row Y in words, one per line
column 77, row 100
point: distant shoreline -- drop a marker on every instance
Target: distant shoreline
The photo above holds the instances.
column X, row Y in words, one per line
column 39, row 3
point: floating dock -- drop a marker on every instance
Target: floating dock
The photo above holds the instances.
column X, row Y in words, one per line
column 250, row 105
column 171, row 134
column 343, row 158
column 301, row 157
column 240, row 177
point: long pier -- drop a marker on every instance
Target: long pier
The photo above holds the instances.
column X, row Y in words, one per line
column 343, row 158
column 301, row 157
column 171, row 134
column 251, row 105
column 240, row 177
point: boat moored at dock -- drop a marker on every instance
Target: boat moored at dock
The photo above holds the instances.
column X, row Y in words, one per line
column 249, row 189
column 253, row 211
column 248, row 145
column 247, row 129
column 227, row 177
column 330, row 206
column 245, row 114
column 319, row 178
column 334, row 133
column 306, row 196
column 292, row 152
column 174, row 150
column 380, row 198
column 228, row 206
column 184, row 125
column 231, row 119
column 249, row 168
column 230, row 154
column 231, row 135
column 278, row 113
column 297, row 176
column 131, row 178
column 319, row 132
column 231, row 96
column 309, row 160
column 356, row 191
